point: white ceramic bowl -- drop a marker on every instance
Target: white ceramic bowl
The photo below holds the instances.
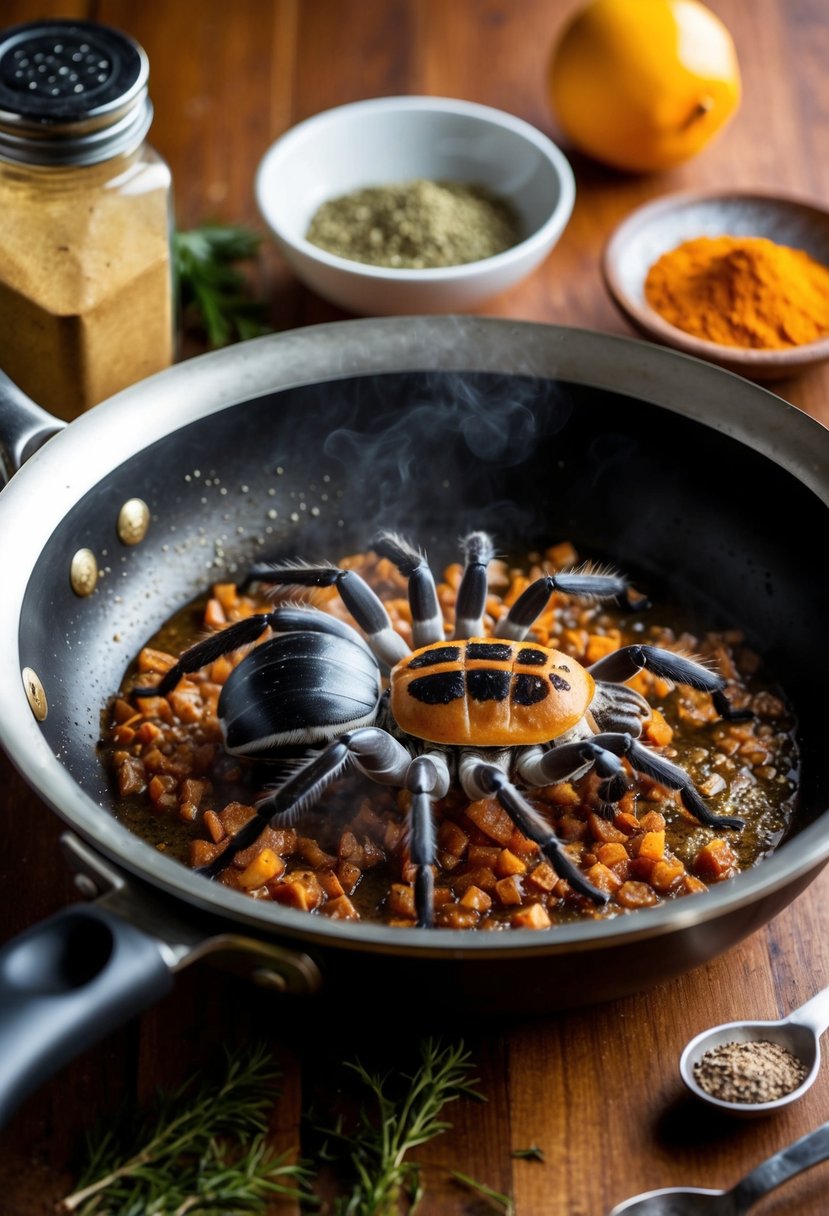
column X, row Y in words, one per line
column 398, row 139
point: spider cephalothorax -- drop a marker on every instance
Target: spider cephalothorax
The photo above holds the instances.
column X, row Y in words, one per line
column 495, row 715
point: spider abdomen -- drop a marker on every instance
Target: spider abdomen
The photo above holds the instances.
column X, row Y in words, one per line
column 299, row 687
column 489, row 692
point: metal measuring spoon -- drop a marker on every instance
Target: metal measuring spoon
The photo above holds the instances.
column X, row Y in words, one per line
column 809, row 1150
column 799, row 1032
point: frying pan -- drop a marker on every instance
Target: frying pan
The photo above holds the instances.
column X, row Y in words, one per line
column 685, row 476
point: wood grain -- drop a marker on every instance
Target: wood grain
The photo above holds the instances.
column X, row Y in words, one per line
column 597, row 1089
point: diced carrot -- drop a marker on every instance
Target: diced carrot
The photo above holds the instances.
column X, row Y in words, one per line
column 265, row 866
column 508, row 864
column 330, row 884
column 483, row 878
column 563, row 794
column 214, row 615
column 612, row 854
column 605, row 831
column 187, row 703
column 202, row 852
column 656, row 730
column 122, row 711
column 521, row 845
column 534, row 916
column 122, row 735
column 401, row 900
column 692, row 885
column 652, row 845
column 603, row 877
column 475, row 898
column 349, row 875
column 132, row 778
column 227, row 594
column 157, row 661
column 340, row 909
column 452, row 838
column 214, row 826
column 715, row 861
column 147, row 732
column 482, row 855
column 492, row 819
column 509, row 891
column 310, row 851
column 626, row 822
column 543, row 876
column 442, row 896
column 666, row 874
column 652, row 821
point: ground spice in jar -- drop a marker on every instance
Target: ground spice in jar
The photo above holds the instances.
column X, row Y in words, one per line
column 753, row 1071
column 741, row 291
column 415, row 225
column 86, row 292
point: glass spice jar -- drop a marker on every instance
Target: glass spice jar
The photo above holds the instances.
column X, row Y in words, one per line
column 86, row 297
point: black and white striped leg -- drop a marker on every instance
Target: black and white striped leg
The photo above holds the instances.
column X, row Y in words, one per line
column 426, row 782
column 628, row 661
column 487, row 780
column 569, row 761
column 366, row 607
column 371, row 749
column 427, row 618
column 471, row 602
column 285, row 619
column 531, row 603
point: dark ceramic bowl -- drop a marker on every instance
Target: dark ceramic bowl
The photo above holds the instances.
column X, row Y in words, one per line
column 660, row 226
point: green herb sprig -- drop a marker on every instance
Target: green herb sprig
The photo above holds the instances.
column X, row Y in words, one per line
column 199, row 1151
column 494, row 1199
column 376, row 1150
column 214, row 292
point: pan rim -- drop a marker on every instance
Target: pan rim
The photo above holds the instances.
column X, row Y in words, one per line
column 343, row 350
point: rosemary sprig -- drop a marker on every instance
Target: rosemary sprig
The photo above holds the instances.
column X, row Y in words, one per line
column 200, row 1150
column 376, row 1150
column 214, row 293
column 495, row 1199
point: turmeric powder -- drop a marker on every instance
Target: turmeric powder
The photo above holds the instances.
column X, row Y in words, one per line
column 741, row 291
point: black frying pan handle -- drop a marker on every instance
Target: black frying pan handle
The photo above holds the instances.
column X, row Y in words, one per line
column 24, row 426
column 66, row 983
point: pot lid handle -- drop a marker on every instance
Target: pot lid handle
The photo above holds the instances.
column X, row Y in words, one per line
column 24, row 427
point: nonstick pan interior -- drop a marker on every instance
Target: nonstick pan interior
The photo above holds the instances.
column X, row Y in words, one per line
column 313, row 471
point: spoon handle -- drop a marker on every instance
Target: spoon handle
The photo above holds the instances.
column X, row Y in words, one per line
column 814, row 1014
column 809, row 1150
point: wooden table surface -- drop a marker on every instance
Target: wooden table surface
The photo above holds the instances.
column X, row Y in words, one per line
column 597, row 1090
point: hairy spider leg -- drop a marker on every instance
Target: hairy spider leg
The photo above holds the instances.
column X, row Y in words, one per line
column 427, row 618
column 531, row 603
column 288, row 618
column 568, row 761
column 364, row 605
column 628, row 661
column 481, row 778
column 478, row 552
column 373, row 751
column 427, row 778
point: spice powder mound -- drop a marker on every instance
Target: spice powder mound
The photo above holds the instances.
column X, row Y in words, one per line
column 741, row 291
column 416, row 225
column 750, row 1072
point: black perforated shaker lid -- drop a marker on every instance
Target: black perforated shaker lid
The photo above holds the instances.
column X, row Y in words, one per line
column 71, row 93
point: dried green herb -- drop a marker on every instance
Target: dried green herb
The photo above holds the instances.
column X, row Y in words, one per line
column 407, row 1112
column 215, row 295
column 198, row 1151
column 531, row 1153
column 416, row 225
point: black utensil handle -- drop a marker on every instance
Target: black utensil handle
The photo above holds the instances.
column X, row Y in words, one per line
column 809, row 1150
column 24, row 426
column 66, row 983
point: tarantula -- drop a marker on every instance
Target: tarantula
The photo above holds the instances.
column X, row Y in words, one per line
column 491, row 714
